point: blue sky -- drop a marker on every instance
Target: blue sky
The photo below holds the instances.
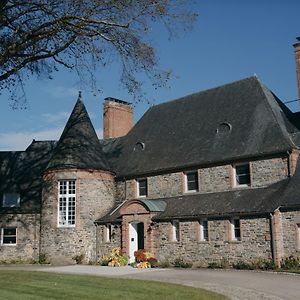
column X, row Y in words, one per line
column 232, row 39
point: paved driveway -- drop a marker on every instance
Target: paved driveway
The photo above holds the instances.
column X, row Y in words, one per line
column 242, row 285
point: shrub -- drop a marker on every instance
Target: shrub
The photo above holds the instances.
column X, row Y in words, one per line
column 115, row 259
column 143, row 259
column 181, row 263
column 164, row 264
column 214, row 265
column 78, row 258
column 43, row 259
column 242, row 265
column 153, row 262
column 290, row 262
column 263, row 264
column 104, row 261
column 140, row 255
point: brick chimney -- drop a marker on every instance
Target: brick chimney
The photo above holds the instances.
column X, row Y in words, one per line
column 297, row 56
column 117, row 118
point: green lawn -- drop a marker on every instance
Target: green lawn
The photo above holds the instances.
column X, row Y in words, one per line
column 38, row 285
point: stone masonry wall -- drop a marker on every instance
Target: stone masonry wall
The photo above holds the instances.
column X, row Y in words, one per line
column 265, row 172
column 213, row 179
column 28, row 230
column 255, row 241
column 95, row 192
column 103, row 246
column 291, row 233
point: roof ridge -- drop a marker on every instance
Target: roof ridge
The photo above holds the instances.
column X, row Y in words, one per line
column 207, row 90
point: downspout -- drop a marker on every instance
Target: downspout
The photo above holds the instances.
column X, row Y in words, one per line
column 97, row 246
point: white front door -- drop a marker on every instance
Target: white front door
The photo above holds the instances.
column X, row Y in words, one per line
column 133, row 241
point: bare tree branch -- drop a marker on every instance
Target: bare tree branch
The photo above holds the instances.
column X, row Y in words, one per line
column 36, row 36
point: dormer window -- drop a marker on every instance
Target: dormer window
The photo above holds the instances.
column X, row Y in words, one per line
column 242, row 175
column 142, row 187
column 191, row 181
column 11, row 200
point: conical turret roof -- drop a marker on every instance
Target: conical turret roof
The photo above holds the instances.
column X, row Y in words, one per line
column 78, row 146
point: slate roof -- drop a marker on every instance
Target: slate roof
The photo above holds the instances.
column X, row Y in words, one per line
column 233, row 122
column 236, row 121
column 21, row 172
column 221, row 204
column 78, row 146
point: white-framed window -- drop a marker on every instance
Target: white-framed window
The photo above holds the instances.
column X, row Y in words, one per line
column 108, row 233
column 9, row 236
column 175, row 235
column 235, row 226
column 11, row 200
column 242, row 177
column 142, row 187
column 66, row 203
column 191, row 181
column 203, row 230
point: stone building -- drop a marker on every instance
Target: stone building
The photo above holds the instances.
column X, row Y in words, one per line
column 210, row 176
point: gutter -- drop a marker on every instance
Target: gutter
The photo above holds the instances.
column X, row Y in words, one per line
column 210, row 216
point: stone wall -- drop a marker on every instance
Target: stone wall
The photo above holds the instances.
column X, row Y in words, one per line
column 213, row 179
column 103, row 246
column 95, row 194
column 265, row 172
column 28, row 230
column 291, row 233
column 255, row 241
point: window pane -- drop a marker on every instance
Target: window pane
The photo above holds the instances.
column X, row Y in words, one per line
column 9, row 231
column 62, row 187
column 237, row 229
column 205, row 230
column 108, row 232
column 71, row 211
column 11, row 200
column 67, row 203
column 192, row 181
column 9, row 236
column 176, row 234
column 72, row 187
column 62, row 211
column 242, row 174
column 9, row 240
column 142, row 187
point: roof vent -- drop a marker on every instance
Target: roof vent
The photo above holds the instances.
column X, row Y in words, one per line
column 224, row 128
column 139, row 146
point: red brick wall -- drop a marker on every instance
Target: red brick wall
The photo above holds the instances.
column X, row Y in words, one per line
column 297, row 57
column 117, row 119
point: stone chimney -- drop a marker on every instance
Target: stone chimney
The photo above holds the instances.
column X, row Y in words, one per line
column 297, row 56
column 117, row 118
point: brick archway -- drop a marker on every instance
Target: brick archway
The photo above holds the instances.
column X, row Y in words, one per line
column 136, row 212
